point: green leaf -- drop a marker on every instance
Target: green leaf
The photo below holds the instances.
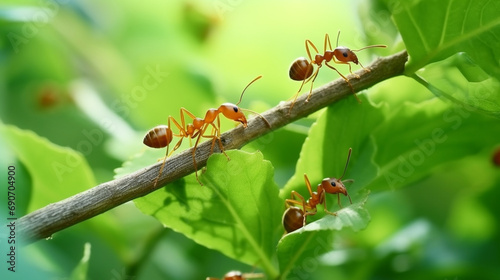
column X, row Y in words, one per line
column 454, row 43
column 460, row 80
column 80, row 271
column 298, row 249
column 434, row 30
column 416, row 138
column 236, row 212
column 56, row 172
column 324, row 153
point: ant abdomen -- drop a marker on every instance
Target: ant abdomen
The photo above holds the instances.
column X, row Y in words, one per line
column 158, row 137
column 293, row 219
column 300, row 69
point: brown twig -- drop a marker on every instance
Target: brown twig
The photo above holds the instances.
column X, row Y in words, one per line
column 52, row 218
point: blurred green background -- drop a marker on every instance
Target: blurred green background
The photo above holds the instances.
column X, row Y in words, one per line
column 95, row 76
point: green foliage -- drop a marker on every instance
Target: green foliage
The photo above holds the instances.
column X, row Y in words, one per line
column 81, row 83
column 298, row 248
column 237, row 211
column 343, row 125
column 433, row 31
column 80, row 271
column 50, row 175
column 463, row 30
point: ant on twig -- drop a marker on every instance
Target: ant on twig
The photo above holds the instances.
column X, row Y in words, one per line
column 161, row 135
column 297, row 210
column 302, row 69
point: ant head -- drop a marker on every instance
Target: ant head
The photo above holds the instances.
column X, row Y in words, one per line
column 233, row 112
column 333, row 186
column 345, row 54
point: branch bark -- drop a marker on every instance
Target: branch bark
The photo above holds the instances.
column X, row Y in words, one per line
column 54, row 217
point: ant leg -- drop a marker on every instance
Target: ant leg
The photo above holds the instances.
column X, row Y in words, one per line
column 308, row 184
column 218, row 138
column 182, row 112
column 182, row 129
column 350, row 69
column 313, row 77
column 167, row 154
column 308, row 43
column 349, row 198
column 161, row 168
column 304, row 205
column 264, row 119
column 200, row 133
column 366, row 69
column 302, row 85
column 326, row 209
column 185, row 111
column 311, row 213
column 215, row 138
column 181, row 135
column 176, row 146
column 345, row 79
column 327, row 40
column 331, row 213
column 215, row 135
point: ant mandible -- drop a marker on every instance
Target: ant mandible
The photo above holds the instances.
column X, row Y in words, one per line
column 293, row 214
column 161, row 136
column 303, row 69
column 237, row 275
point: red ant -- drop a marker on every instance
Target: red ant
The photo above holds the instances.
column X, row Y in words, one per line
column 293, row 214
column 161, row 136
column 237, row 275
column 302, row 69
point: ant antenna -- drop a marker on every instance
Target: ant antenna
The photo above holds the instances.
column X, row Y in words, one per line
column 373, row 46
column 347, row 163
column 264, row 119
column 246, row 88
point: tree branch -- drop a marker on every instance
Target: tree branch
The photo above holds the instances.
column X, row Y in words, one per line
column 54, row 217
